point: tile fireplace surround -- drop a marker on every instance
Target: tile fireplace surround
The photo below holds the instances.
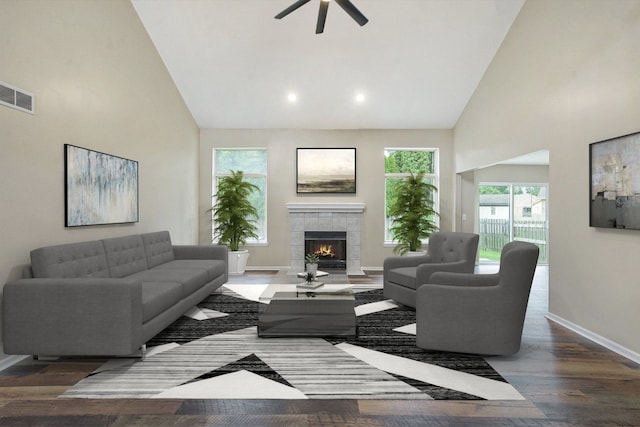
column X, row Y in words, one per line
column 325, row 217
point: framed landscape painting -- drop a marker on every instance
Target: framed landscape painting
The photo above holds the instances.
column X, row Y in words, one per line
column 326, row 170
column 99, row 188
column 614, row 171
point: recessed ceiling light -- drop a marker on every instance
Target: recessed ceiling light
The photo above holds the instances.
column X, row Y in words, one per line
column 360, row 98
column 292, row 97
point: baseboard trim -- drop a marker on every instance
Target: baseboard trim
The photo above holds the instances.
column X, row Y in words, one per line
column 615, row 347
column 265, row 268
column 9, row 361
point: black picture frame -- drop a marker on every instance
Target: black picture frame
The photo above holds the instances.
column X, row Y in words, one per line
column 614, row 186
column 99, row 188
column 325, row 170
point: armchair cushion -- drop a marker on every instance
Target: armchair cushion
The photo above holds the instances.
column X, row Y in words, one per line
column 405, row 276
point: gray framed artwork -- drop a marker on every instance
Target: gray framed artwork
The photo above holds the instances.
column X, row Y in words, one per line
column 99, row 188
column 614, row 172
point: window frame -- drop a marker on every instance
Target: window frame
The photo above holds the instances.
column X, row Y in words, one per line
column 264, row 241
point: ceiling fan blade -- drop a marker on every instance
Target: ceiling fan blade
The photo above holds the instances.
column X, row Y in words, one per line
column 292, row 8
column 322, row 16
column 353, row 11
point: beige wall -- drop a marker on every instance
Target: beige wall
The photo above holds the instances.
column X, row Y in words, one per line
column 98, row 83
column 566, row 76
column 282, row 144
column 525, row 174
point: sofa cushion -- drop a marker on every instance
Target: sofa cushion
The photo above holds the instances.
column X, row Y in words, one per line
column 84, row 259
column 405, row 276
column 125, row 255
column 213, row 267
column 159, row 296
column 158, row 248
column 190, row 279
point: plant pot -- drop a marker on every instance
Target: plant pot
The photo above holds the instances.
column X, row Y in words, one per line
column 238, row 261
column 415, row 253
column 312, row 268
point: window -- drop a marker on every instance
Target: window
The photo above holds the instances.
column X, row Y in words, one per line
column 253, row 163
column 402, row 162
column 526, row 212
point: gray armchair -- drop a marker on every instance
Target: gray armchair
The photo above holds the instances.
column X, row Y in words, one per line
column 478, row 313
column 447, row 251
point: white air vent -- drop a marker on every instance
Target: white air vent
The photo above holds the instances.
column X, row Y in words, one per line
column 14, row 97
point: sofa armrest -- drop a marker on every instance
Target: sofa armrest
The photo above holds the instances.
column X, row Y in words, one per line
column 79, row 316
column 390, row 263
column 425, row 272
column 464, row 279
column 219, row 252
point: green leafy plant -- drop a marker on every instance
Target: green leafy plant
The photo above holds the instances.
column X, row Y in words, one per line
column 233, row 214
column 413, row 213
column 311, row 258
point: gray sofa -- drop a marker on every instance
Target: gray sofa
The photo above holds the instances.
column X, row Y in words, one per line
column 106, row 297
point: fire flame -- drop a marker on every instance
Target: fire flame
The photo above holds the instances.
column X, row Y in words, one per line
column 325, row 251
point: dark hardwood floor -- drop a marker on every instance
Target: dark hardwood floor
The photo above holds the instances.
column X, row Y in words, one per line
column 566, row 380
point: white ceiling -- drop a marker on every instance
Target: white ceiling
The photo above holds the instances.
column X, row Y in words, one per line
column 416, row 61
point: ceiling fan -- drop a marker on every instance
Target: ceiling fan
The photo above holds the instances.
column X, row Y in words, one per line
column 322, row 15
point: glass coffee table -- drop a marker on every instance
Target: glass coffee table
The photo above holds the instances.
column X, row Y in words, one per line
column 286, row 311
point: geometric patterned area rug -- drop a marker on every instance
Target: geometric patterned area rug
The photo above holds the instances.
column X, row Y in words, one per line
column 213, row 352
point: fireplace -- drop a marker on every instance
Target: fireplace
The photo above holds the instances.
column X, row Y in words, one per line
column 330, row 217
column 330, row 246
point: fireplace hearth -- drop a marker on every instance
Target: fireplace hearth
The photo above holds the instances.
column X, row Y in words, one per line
column 330, row 246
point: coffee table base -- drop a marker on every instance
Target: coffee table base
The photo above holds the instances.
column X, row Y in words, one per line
column 307, row 318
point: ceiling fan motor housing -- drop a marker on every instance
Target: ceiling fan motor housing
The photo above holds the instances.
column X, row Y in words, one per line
column 348, row 7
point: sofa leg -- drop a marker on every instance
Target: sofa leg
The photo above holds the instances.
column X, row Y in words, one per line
column 143, row 351
column 40, row 358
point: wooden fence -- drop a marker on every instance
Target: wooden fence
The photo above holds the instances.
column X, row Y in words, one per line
column 495, row 233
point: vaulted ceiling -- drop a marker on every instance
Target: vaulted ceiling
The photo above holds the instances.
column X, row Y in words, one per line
column 416, row 63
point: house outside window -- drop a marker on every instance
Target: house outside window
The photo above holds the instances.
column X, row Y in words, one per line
column 401, row 163
column 253, row 163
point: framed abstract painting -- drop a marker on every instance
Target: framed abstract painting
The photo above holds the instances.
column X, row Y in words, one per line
column 99, row 188
column 614, row 172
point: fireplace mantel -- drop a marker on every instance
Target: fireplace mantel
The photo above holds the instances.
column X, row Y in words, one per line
column 325, row 207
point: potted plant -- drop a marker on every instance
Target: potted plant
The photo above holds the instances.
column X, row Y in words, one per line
column 234, row 218
column 412, row 212
column 311, row 261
